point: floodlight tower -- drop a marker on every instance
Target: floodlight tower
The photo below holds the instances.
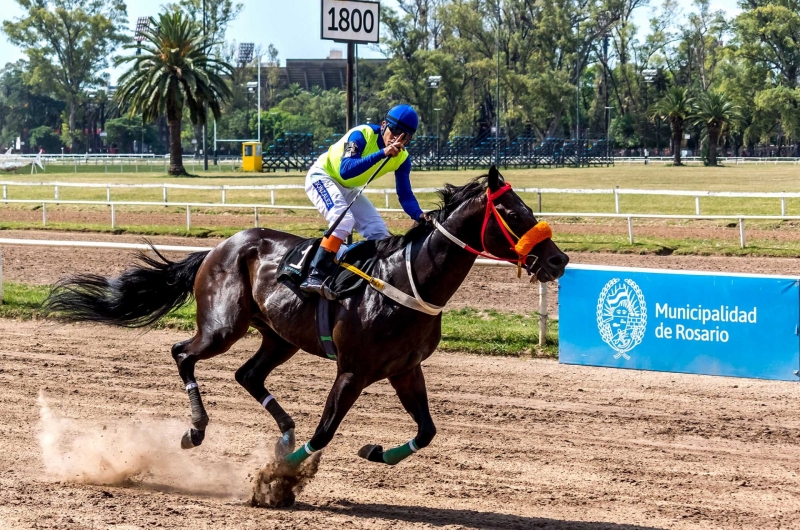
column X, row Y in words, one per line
column 246, row 50
column 142, row 27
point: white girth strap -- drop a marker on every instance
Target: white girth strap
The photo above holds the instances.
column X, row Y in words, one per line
column 426, row 308
column 394, row 293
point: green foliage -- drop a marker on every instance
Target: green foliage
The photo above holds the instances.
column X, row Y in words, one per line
column 716, row 113
column 22, row 107
column 45, row 138
column 68, row 43
column 125, row 130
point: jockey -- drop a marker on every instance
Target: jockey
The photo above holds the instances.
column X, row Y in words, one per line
column 337, row 175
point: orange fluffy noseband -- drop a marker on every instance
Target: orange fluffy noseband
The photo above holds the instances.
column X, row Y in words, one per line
column 533, row 237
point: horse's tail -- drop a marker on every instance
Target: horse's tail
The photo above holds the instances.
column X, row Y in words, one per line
column 138, row 297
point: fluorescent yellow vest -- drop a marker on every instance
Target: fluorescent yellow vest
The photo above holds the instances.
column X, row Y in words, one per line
column 332, row 161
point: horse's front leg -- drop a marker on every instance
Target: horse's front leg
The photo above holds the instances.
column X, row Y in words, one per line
column 344, row 393
column 410, row 387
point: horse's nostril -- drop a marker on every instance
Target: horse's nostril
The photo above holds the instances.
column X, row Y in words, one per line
column 558, row 261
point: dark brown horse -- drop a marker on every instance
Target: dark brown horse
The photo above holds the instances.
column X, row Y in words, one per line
column 235, row 287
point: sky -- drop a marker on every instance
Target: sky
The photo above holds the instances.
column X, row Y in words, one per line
column 293, row 27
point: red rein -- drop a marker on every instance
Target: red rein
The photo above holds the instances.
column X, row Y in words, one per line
column 523, row 245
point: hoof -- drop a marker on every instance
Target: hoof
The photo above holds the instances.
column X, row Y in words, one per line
column 373, row 453
column 284, row 446
column 192, row 438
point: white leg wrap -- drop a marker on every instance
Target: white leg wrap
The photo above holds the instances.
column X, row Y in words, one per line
column 308, row 448
column 191, row 386
column 413, row 446
column 267, row 400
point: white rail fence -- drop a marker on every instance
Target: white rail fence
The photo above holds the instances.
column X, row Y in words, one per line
column 175, row 248
column 735, row 160
column 255, row 207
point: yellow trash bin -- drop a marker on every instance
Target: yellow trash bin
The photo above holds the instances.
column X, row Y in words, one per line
column 251, row 156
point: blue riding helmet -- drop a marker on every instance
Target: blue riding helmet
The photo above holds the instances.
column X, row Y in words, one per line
column 402, row 119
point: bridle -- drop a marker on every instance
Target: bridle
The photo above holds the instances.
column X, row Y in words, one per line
column 522, row 246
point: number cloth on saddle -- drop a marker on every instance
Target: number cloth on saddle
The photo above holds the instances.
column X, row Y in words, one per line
column 294, row 266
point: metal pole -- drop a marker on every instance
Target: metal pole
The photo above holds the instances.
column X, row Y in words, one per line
column 630, row 230
column 542, row 314
column 350, row 61
column 205, row 105
column 497, row 93
column 355, row 88
column 742, row 238
column 259, row 99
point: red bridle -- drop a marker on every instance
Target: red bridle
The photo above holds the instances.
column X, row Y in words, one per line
column 523, row 245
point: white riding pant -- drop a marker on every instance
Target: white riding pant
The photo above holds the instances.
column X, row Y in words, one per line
column 331, row 199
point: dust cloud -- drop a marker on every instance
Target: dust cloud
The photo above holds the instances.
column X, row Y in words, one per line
column 140, row 452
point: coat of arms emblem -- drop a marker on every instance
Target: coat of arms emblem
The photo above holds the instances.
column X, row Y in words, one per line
column 621, row 316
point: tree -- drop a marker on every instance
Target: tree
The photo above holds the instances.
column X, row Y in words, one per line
column 218, row 14
column 22, row 108
column 68, row 43
column 769, row 33
column 675, row 106
column 45, row 138
column 173, row 71
column 715, row 112
column 125, row 130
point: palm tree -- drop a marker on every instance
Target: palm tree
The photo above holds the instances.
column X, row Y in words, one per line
column 716, row 113
column 174, row 70
column 675, row 106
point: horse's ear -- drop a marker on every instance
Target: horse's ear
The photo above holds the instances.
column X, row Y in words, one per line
column 495, row 179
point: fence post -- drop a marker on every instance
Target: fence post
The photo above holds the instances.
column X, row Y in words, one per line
column 742, row 238
column 272, row 197
column 164, row 193
column 783, row 206
column 108, row 193
column 105, row 164
column 386, row 195
column 120, row 166
column 540, row 201
column 56, row 192
column 44, row 214
column 1, row 277
column 188, row 218
column 223, row 194
column 5, row 192
column 630, row 230
column 75, row 165
column 113, row 217
column 697, row 205
column 255, row 214
column 542, row 314
column 616, row 200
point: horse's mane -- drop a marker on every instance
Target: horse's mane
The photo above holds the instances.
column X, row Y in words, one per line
column 450, row 198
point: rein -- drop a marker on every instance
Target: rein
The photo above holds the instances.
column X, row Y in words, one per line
column 521, row 247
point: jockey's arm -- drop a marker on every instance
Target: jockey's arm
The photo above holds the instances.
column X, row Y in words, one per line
column 352, row 162
column 408, row 201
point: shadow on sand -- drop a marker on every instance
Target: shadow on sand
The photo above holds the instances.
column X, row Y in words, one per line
column 464, row 518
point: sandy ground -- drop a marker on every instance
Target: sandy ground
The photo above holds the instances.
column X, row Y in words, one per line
column 522, row 443
column 486, row 287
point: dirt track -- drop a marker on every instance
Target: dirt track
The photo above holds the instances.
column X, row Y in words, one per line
column 521, row 444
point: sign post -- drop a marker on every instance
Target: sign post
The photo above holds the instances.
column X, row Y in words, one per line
column 353, row 22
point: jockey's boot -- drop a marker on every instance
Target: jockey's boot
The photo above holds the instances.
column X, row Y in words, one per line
column 321, row 269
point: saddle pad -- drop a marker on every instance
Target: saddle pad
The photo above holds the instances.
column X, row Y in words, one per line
column 295, row 264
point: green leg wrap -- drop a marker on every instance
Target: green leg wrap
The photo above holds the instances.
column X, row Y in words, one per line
column 297, row 458
column 398, row 454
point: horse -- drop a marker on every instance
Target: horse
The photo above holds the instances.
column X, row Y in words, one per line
column 235, row 288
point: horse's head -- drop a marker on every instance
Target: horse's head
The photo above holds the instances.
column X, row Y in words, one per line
column 544, row 260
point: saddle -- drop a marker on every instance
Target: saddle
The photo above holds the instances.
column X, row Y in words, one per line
column 344, row 283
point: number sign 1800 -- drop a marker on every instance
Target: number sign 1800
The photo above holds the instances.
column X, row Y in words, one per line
column 351, row 21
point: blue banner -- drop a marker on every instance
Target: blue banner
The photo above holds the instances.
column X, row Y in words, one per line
column 742, row 325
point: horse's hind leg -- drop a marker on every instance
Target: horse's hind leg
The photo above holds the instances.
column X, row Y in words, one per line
column 410, row 388
column 273, row 352
column 220, row 323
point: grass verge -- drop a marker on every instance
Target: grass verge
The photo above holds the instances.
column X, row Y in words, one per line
column 464, row 330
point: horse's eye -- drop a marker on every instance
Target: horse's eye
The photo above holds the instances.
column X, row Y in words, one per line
column 513, row 216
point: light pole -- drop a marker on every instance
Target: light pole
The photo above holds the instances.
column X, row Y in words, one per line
column 438, row 139
column 142, row 25
column 205, row 105
column 649, row 75
column 608, row 133
column 497, row 93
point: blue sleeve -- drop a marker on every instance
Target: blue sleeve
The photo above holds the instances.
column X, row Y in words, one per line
column 352, row 164
column 407, row 199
